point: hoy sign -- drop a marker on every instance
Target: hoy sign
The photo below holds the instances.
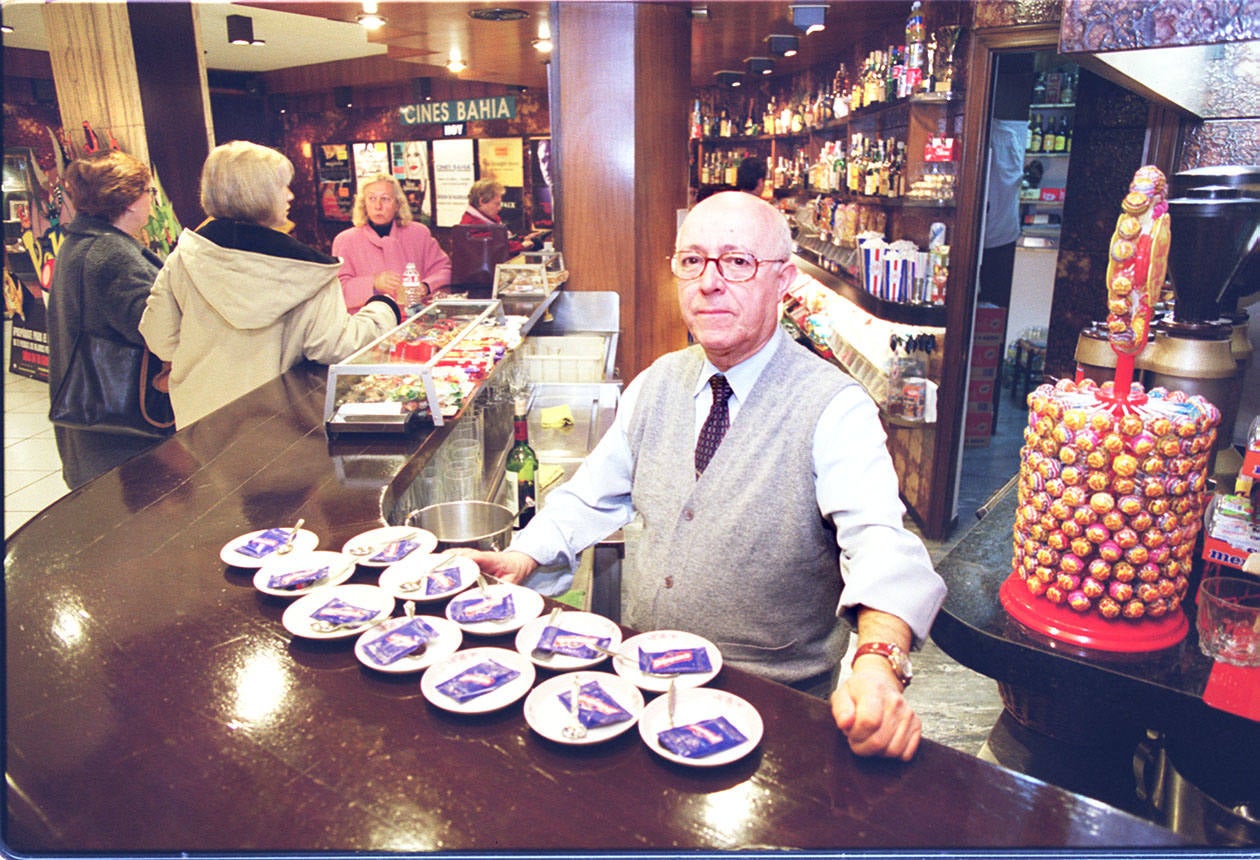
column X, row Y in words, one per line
column 461, row 110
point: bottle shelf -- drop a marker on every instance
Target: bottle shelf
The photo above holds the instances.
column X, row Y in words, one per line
column 1028, row 153
column 1052, row 106
column 845, row 284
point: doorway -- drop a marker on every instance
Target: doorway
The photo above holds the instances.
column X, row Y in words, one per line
column 1030, row 122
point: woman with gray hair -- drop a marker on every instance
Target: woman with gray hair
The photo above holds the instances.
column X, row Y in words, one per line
column 384, row 239
column 239, row 301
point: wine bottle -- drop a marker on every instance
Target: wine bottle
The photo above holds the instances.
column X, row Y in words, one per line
column 520, row 471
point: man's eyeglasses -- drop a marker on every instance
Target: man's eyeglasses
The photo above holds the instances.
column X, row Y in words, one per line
column 733, row 266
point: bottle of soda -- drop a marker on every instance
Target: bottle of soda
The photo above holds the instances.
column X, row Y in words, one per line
column 521, row 470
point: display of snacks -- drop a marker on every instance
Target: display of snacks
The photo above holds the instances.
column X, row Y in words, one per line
column 1111, row 501
column 425, row 369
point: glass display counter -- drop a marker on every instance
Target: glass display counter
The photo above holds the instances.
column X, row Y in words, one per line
column 421, row 372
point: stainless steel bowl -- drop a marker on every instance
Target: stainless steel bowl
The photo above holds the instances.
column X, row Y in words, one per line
column 479, row 525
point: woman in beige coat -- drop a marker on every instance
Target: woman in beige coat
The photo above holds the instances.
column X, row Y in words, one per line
column 238, row 301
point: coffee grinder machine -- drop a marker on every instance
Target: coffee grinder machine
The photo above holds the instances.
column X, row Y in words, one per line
column 1201, row 347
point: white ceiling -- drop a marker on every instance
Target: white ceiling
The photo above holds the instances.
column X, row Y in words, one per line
column 292, row 40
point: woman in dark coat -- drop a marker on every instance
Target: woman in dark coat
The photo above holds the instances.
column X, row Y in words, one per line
column 101, row 281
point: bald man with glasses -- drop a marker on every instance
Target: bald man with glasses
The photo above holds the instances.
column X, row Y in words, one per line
column 757, row 497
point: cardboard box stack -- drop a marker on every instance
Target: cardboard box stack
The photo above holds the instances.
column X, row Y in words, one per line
column 982, row 384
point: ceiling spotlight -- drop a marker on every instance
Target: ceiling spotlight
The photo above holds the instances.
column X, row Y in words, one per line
column 543, row 43
column 241, row 30
column 456, row 63
column 781, row 45
column 370, row 18
column 759, row 65
column 810, row 17
column 6, row 29
column 729, row 78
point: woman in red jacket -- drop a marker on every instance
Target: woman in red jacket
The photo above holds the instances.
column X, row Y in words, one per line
column 485, row 199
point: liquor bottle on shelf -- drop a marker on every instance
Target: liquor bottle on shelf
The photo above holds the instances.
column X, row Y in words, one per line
column 1067, row 92
column 521, row 469
column 916, row 47
column 1039, row 89
column 1035, row 137
column 1062, row 135
column 767, row 118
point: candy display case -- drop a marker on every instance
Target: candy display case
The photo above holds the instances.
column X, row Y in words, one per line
column 421, row 372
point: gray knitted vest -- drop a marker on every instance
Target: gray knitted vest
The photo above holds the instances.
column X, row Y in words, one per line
column 741, row 555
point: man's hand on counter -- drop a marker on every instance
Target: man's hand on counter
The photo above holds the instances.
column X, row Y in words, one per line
column 872, row 712
column 510, row 566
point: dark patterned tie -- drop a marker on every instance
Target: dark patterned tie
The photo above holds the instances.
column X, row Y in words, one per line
column 715, row 425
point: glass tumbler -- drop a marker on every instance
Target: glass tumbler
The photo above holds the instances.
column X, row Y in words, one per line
column 1229, row 620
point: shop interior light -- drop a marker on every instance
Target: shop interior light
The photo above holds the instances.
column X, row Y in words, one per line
column 782, row 45
column 370, row 18
column 810, row 17
column 543, row 43
column 241, row 30
column 456, row 63
column 729, row 78
column 759, row 65
column 6, row 29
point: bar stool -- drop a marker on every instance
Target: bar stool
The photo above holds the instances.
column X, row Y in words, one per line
column 1030, row 362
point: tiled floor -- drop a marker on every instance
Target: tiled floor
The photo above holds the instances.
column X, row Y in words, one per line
column 958, row 706
column 32, row 469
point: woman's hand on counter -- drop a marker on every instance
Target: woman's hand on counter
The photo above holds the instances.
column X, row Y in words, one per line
column 872, row 712
column 510, row 566
column 388, row 283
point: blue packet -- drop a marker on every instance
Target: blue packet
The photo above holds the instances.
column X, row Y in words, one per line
column 399, row 642
column 482, row 609
column 675, row 661
column 264, row 544
column 477, row 681
column 701, row 739
column 395, row 551
column 578, row 645
column 595, row 707
column 294, row 579
column 442, row 580
column 337, row 611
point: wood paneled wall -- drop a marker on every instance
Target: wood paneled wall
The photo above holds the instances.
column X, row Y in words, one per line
column 619, row 113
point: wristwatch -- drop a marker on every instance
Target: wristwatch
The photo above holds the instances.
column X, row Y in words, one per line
column 897, row 658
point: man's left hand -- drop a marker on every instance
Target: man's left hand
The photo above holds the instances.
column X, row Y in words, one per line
column 871, row 710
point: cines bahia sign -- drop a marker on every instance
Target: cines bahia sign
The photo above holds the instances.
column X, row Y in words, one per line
column 462, row 110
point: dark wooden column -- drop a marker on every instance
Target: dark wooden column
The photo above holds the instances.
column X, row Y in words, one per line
column 619, row 118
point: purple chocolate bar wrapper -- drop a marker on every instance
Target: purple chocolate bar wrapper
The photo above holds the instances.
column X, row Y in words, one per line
column 263, row 544
column 595, row 707
column 482, row 609
column 477, row 681
column 399, row 642
column 701, row 739
column 395, row 551
column 578, row 645
column 337, row 611
column 442, row 580
column 297, row 578
column 675, row 660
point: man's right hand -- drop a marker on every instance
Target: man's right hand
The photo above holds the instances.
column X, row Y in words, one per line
column 510, row 566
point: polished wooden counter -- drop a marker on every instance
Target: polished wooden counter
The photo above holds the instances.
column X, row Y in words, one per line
column 155, row 703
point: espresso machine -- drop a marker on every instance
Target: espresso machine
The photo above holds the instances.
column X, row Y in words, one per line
column 1201, row 346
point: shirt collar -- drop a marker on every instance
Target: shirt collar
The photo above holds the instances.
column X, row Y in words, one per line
column 743, row 376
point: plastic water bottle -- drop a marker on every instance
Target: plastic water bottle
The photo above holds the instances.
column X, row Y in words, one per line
column 411, row 287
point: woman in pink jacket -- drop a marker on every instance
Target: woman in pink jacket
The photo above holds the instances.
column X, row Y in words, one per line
column 383, row 240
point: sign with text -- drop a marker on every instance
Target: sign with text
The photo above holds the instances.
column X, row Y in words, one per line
column 453, row 174
column 502, row 159
column 460, row 110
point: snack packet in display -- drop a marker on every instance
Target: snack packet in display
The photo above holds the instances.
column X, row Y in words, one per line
column 701, row 739
column 477, row 681
column 337, row 611
column 595, row 707
column 482, row 609
column 395, row 551
column 442, row 580
column 399, row 642
column 264, row 544
column 578, row 645
column 294, row 579
column 675, row 660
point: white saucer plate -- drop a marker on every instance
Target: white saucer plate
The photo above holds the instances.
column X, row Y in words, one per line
column 500, row 697
column 305, row 541
column 692, row 706
column 297, row 616
column 547, row 715
column 379, row 538
column 665, row 640
column 413, row 569
column 340, row 568
column 526, row 605
column 447, row 642
column 583, row 623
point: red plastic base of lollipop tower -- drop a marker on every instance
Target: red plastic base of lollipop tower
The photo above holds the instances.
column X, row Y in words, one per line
column 1090, row 630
